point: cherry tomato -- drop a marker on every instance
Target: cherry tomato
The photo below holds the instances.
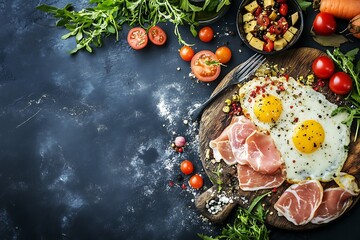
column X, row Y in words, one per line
column 275, row 29
column 137, row 38
column 281, row 1
column 283, row 10
column 340, row 83
column 324, row 24
column 223, row 54
column 263, row 20
column 257, row 11
column 269, row 46
column 157, row 36
column 206, row 34
column 205, row 66
column 186, row 53
column 196, row 181
column 323, row 67
column 284, row 24
column 186, row 167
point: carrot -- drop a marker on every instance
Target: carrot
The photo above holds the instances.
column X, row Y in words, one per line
column 345, row 9
column 354, row 26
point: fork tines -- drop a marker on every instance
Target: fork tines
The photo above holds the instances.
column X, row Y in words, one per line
column 250, row 65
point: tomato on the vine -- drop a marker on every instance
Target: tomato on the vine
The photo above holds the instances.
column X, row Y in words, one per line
column 340, row 83
column 206, row 34
column 324, row 24
column 196, row 181
column 186, row 167
column 186, row 53
column 323, row 67
column 157, row 36
column 223, row 54
column 137, row 38
column 205, row 66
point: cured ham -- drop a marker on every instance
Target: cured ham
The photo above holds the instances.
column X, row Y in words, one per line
column 224, row 145
column 251, row 180
column 262, row 154
column 238, row 134
column 334, row 203
column 300, row 201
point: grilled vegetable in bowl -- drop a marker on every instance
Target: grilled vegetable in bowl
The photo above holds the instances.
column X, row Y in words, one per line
column 269, row 26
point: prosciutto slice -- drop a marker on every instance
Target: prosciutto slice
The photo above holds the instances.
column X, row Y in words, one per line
column 335, row 202
column 250, row 180
column 238, row 134
column 300, row 201
column 223, row 147
column 262, row 154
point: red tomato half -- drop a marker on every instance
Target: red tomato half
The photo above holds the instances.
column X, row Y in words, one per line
column 323, row 67
column 157, row 36
column 340, row 83
column 205, row 66
column 324, row 24
column 206, row 34
column 196, row 181
column 137, row 38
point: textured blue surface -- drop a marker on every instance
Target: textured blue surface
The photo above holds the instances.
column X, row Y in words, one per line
column 84, row 139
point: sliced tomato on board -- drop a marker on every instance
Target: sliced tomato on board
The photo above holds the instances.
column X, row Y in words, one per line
column 137, row 38
column 205, row 66
column 157, row 36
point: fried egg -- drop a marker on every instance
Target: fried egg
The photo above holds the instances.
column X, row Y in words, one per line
column 312, row 142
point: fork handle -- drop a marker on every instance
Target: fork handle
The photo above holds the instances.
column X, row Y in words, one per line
column 196, row 114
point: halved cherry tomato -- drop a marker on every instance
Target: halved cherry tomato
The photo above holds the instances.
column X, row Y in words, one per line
column 186, row 167
column 137, row 38
column 206, row 34
column 275, row 29
column 324, row 24
column 205, row 66
column 196, row 181
column 223, row 54
column 269, row 46
column 340, row 83
column 263, row 20
column 186, row 53
column 283, row 10
column 323, row 67
column 284, row 24
column 157, row 36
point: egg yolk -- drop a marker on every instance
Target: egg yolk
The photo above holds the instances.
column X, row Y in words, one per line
column 308, row 136
column 268, row 109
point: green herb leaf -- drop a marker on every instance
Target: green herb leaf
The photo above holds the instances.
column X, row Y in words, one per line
column 304, row 4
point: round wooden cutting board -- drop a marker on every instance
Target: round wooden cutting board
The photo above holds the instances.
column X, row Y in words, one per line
column 213, row 121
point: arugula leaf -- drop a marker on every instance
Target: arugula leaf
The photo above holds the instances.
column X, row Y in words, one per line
column 304, row 4
column 248, row 224
column 346, row 63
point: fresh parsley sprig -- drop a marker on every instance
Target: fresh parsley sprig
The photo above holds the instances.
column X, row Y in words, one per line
column 249, row 224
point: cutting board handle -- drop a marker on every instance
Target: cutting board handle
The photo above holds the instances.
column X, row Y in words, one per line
column 212, row 194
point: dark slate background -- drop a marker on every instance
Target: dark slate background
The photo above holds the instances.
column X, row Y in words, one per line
column 84, row 139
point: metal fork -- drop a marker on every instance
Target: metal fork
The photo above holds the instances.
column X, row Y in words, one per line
column 242, row 72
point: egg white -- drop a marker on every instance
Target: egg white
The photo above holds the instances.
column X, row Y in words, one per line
column 300, row 103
